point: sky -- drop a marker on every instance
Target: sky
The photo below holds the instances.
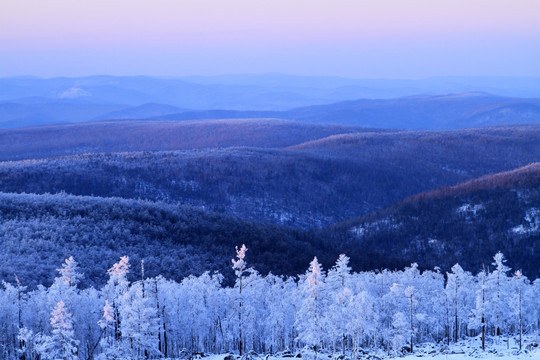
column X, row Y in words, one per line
column 352, row 38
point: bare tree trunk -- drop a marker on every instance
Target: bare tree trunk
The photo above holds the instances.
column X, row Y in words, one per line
column 456, row 333
column 240, row 343
column 160, row 346
column 483, row 310
column 165, row 345
column 412, row 333
column 520, row 320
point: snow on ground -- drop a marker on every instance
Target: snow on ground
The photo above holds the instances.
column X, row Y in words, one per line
column 471, row 349
column 464, row 350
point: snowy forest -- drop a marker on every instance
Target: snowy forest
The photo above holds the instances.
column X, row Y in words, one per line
column 334, row 311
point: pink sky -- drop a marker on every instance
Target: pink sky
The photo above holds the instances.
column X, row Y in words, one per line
column 359, row 38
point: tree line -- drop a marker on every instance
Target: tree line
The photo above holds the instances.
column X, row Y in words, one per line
column 318, row 311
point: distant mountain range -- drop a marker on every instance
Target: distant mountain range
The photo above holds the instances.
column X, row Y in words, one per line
column 383, row 103
column 453, row 111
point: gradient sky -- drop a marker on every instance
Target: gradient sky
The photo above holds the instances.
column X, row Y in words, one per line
column 354, row 38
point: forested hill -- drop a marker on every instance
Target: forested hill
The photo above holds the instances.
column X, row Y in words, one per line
column 121, row 136
column 309, row 186
column 461, row 224
column 37, row 232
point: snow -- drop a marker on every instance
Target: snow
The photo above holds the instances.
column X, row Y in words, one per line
column 470, row 209
column 532, row 218
column 73, row 92
column 464, row 350
column 470, row 349
column 387, row 223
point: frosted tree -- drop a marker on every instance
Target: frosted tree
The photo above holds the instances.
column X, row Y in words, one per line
column 69, row 272
column 139, row 323
column 26, row 344
column 339, row 276
column 280, row 302
column 409, row 292
column 106, row 323
column 61, row 345
column 342, row 310
column 311, row 321
column 478, row 318
column 519, row 283
column 498, row 292
column 458, row 293
column 363, row 319
column 12, row 301
column 400, row 331
column 402, row 298
column 64, row 287
column 240, row 269
column 116, row 287
column 430, row 306
column 337, row 283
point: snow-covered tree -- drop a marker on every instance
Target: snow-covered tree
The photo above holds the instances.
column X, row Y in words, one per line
column 401, row 332
column 240, row 267
column 498, row 291
column 116, row 287
column 478, row 318
column 458, row 292
column 139, row 323
column 312, row 322
column 519, row 283
column 337, row 283
column 106, row 323
column 343, row 311
column 69, row 272
column 363, row 319
column 61, row 345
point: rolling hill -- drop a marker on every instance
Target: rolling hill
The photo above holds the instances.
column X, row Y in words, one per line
column 37, row 232
column 120, row 136
column 308, row 186
column 466, row 223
